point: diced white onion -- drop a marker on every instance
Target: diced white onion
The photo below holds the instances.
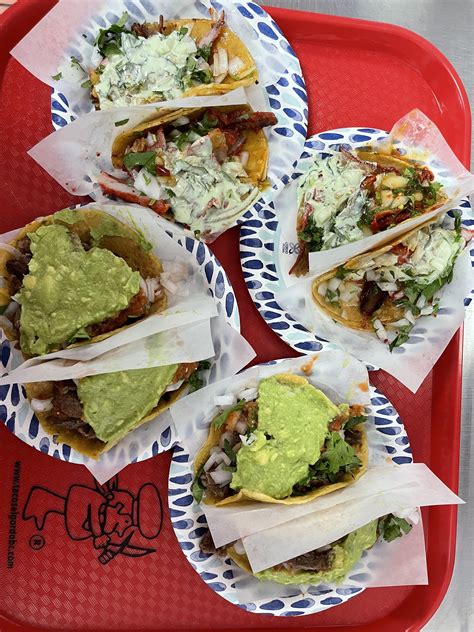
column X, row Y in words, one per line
column 223, row 61
column 214, row 459
column 427, row 310
column 334, row 283
column 398, row 294
column 3, row 282
column 239, row 547
column 153, row 288
column 221, row 477
column 182, row 120
column 175, row 386
column 215, row 65
column 248, row 394
column 225, row 459
column 387, row 286
column 248, row 440
column 215, row 450
column 150, row 139
column 41, row 405
column 169, row 285
column 380, row 329
column 244, row 158
column 235, row 64
column 421, row 302
column 371, row 275
column 403, row 322
column 220, row 78
column 322, row 289
column 224, row 400
column 409, row 316
column 241, row 427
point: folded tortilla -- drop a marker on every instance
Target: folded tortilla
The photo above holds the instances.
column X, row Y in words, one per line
column 110, row 234
column 361, row 451
column 245, row 74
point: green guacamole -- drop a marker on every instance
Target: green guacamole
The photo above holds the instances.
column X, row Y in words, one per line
column 68, row 289
column 348, row 553
column 108, row 227
column 114, row 403
column 293, row 423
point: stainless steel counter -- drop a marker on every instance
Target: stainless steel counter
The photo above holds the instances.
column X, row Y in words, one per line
column 449, row 25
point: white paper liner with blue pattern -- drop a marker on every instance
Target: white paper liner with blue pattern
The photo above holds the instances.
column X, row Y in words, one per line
column 189, row 524
column 19, row 418
column 284, row 86
column 260, row 233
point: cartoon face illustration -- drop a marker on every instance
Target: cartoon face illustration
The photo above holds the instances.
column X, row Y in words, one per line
column 113, row 518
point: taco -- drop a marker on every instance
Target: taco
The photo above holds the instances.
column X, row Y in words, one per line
column 288, row 446
column 201, row 168
column 329, row 564
column 77, row 275
column 387, row 290
column 348, row 196
column 93, row 413
column 167, row 60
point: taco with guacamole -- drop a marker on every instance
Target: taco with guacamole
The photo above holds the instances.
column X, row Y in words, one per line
column 76, row 276
column 351, row 195
column 387, row 290
column 329, row 564
column 289, row 445
column 168, row 59
column 93, row 413
column 201, row 168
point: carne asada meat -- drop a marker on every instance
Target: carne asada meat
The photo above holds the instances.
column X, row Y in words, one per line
column 67, row 409
column 312, row 561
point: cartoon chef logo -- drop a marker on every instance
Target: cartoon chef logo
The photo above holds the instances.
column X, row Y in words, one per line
column 117, row 521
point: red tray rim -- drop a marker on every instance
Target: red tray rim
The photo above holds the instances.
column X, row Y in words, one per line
column 452, row 357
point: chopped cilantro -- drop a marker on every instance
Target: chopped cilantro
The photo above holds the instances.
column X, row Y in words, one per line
column 312, row 235
column 402, row 337
column 390, row 527
column 76, row 63
column 331, row 296
column 222, row 417
column 230, row 453
column 202, row 76
column 204, row 52
column 57, row 77
column 342, row 272
column 145, row 159
column 182, row 32
column 204, row 365
column 354, row 421
column 86, row 84
column 197, row 488
column 108, row 41
column 122, row 122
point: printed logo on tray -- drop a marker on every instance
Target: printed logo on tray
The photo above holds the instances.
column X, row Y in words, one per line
column 114, row 520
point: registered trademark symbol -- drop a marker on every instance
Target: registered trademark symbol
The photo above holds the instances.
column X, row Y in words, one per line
column 36, row 542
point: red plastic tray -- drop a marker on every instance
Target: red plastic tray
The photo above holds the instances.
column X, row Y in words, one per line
column 358, row 74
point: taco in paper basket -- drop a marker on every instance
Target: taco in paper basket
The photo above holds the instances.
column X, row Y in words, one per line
column 385, row 291
column 351, row 195
column 93, row 413
column 76, row 276
column 329, row 564
column 201, row 168
column 168, row 59
column 289, row 445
